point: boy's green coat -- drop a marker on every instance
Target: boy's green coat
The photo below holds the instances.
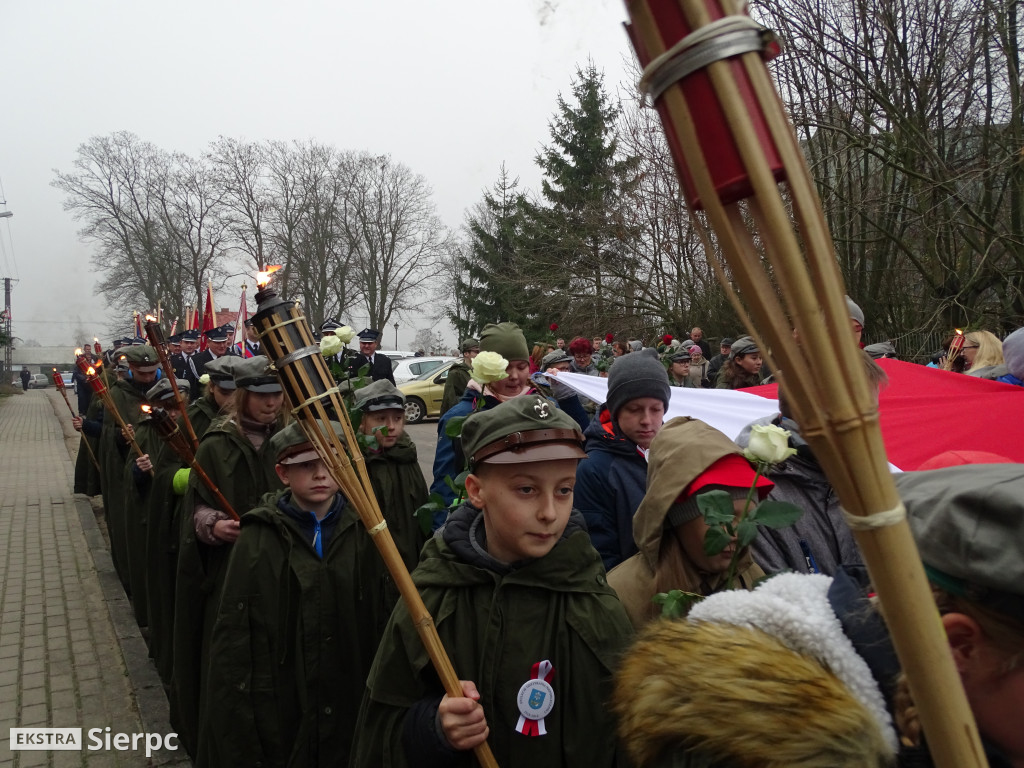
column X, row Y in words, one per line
column 495, row 628
column 243, row 475
column 400, row 490
column 293, row 643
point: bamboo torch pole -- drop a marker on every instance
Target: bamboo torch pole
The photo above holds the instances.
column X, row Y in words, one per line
column 168, row 430
column 100, row 389
column 734, row 147
column 58, row 382
column 155, row 333
column 315, row 403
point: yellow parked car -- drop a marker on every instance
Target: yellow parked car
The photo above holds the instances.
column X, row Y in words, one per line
column 423, row 394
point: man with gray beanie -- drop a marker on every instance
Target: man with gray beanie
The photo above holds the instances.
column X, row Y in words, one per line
column 612, row 481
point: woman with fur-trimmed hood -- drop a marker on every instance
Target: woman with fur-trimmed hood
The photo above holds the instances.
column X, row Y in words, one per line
column 801, row 672
column 687, row 456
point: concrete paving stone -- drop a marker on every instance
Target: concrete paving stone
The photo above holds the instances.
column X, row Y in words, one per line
column 34, row 664
column 34, row 715
column 30, row 696
column 66, row 717
column 62, row 698
column 67, row 760
column 33, row 759
column 8, row 677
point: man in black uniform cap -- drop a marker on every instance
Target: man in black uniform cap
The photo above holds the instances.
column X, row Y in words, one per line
column 216, row 346
column 183, row 362
column 380, row 365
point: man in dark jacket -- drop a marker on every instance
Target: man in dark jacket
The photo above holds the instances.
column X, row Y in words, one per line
column 612, row 482
column 380, row 365
column 216, row 346
column 716, row 362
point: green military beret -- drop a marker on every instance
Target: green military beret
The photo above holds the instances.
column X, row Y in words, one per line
column 163, row 390
column 256, row 375
column 291, row 446
column 525, row 428
column 506, row 339
column 143, row 358
column 379, row 396
column 967, row 524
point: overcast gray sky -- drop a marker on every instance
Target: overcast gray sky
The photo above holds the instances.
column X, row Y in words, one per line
column 453, row 89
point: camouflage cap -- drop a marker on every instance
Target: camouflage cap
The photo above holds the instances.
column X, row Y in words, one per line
column 291, row 446
column 379, row 396
column 257, row 375
column 967, row 524
column 523, row 429
column 163, row 390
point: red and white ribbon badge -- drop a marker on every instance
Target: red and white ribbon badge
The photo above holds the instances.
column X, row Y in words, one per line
column 536, row 699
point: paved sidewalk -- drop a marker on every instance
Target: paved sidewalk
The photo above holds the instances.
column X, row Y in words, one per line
column 70, row 654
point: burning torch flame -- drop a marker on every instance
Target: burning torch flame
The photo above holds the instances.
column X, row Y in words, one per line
column 146, row 409
column 150, row 319
column 78, row 352
column 262, row 278
column 90, row 371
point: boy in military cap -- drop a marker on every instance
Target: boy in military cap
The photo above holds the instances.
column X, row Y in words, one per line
column 521, row 605
column 459, row 374
column 392, row 463
column 300, row 617
column 128, row 394
column 155, row 484
column 380, row 365
column 218, row 390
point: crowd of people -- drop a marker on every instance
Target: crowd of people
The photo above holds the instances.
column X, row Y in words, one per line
column 280, row 639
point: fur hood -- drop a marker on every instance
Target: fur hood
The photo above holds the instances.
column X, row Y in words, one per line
column 770, row 692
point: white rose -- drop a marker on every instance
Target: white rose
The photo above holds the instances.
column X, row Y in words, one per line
column 768, row 444
column 330, row 346
column 489, row 367
column 345, row 334
column 204, row 379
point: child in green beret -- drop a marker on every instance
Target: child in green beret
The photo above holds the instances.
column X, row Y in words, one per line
column 522, row 606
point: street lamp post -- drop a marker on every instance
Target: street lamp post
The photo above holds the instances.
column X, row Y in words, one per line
column 396, row 335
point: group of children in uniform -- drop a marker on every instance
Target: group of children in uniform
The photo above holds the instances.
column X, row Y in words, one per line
column 300, row 656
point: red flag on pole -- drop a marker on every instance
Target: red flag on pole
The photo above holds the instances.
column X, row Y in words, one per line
column 209, row 316
column 238, row 340
column 139, row 334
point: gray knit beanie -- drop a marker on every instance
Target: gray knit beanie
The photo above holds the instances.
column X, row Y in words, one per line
column 1013, row 353
column 637, row 375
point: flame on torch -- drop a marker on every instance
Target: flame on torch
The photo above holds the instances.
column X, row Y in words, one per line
column 150, row 319
column 146, row 409
column 78, row 352
column 262, row 278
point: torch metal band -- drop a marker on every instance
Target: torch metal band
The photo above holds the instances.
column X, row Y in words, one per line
column 382, row 525
column 701, row 55
column 298, row 354
column 283, row 323
column 314, row 398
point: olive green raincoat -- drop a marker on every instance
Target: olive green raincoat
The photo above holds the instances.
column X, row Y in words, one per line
column 495, row 627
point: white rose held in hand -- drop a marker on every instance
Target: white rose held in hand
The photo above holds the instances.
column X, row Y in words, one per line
column 768, row 444
column 489, row 367
column 345, row 334
column 330, row 345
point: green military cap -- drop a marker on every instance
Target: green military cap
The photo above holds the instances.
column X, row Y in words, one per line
column 222, row 370
column 379, row 396
column 163, row 390
column 291, row 446
column 468, row 344
column 142, row 358
column 967, row 524
column 525, row 428
column 256, row 375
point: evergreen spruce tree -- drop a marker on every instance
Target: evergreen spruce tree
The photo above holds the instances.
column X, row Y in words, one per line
column 499, row 282
column 581, row 232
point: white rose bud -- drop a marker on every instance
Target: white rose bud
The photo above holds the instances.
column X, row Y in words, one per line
column 345, row 334
column 489, row 367
column 768, row 444
column 330, row 346
column 204, row 379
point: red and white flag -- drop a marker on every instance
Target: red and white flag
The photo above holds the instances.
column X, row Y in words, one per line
column 209, row 316
column 238, row 340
